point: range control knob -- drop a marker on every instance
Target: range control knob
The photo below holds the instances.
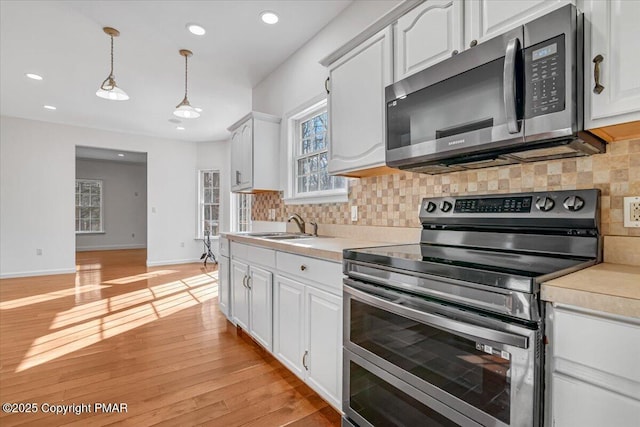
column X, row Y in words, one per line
column 430, row 207
column 573, row 203
column 445, row 206
column 545, row 203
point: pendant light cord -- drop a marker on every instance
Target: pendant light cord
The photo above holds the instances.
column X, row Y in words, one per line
column 111, row 73
column 186, row 75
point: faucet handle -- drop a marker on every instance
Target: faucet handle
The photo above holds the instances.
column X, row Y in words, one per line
column 315, row 227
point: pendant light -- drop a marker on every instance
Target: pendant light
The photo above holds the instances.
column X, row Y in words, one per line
column 108, row 89
column 184, row 109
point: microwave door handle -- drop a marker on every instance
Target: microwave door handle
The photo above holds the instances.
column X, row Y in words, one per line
column 509, row 82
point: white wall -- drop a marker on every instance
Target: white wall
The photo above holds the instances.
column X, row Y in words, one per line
column 301, row 77
column 37, row 174
column 124, row 203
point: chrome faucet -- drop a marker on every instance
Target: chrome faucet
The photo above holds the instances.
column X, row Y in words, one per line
column 298, row 220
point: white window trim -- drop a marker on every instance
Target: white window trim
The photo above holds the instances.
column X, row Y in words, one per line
column 200, row 204
column 102, row 230
column 289, row 140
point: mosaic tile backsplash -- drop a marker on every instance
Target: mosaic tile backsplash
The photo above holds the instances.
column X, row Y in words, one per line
column 393, row 200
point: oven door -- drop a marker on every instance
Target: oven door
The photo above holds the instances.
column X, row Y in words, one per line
column 480, row 367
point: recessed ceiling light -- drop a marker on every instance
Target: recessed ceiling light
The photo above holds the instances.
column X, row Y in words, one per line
column 269, row 17
column 179, row 128
column 120, row 155
column 33, row 76
column 49, row 107
column 196, row 29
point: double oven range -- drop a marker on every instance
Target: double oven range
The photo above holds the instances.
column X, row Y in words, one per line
column 449, row 332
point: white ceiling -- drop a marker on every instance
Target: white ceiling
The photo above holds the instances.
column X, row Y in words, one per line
column 63, row 41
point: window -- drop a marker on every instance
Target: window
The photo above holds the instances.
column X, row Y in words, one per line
column 242, row 212
column 89, row 206
column 209, row 217
column 308, row 142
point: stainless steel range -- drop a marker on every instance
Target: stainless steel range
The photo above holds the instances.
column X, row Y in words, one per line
column 449, row 332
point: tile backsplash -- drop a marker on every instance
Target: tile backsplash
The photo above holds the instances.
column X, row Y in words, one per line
column 393, row 200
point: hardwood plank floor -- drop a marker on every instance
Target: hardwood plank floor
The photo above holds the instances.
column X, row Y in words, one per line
column 150, row 338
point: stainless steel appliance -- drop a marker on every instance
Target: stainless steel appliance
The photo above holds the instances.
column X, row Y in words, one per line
column 449, row 332
column 514, row 98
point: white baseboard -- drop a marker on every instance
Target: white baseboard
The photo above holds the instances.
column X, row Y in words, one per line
column 38, row 273
column 108, row 247
column 172, row 262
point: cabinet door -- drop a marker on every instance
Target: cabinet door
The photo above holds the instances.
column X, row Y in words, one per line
column 261, row 289
column 357, row 107
column 288, row 324
column 236, row 159
column 614, row 34
column 246, row 174
column 427, row 35
column 577, row 403
column 240, row 293
column 224, row 286
column 324, row 344
column 485, row 19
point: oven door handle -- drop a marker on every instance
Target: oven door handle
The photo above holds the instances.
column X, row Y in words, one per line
column 391, row 301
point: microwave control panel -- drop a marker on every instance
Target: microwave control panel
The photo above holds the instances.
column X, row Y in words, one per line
column 545, row 77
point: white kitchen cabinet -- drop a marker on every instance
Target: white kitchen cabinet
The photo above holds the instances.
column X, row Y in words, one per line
column 592, row 367
column 240, row 292
column 323, row 333
column 427, row 35
column 252, row 291
column 308, row 322
column 485, row 19
column 612, row 31
column 224, row 284
column 357, row 107
column 255, row 153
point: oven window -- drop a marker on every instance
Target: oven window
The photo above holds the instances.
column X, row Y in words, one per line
column 454, row 364
column 384, row 405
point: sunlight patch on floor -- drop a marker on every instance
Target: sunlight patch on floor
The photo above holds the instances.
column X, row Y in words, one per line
column 36, row 299
column 149, row 304
column 138, row 277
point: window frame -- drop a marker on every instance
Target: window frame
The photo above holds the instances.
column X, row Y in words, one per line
column 293, row 122
column 236, row 214
column 201, row 204
column 100, row 183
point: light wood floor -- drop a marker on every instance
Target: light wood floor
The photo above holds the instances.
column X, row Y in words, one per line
column 150, row 338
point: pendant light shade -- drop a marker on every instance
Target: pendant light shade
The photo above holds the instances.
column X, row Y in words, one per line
column 184, row 109
column 108, row 89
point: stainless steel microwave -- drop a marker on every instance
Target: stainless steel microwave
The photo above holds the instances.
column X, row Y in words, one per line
column 515, row 98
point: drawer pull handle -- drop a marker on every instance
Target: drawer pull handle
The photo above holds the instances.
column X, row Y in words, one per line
column 304, row 360
column 598, row 88
column 303, row 267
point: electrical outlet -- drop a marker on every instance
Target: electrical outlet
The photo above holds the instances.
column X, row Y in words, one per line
column 354, row 213
column 182, row 244
column 38, row 251
column 632, row 212
column 272, row 214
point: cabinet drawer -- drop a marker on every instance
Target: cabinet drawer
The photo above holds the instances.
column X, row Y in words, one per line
column 253, row 255
column 598, row 341
column 326, row 273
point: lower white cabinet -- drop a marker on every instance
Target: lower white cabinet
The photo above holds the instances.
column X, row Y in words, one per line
column 252, row 289
column 593, row 371
column 308, row 335
column 224, row 287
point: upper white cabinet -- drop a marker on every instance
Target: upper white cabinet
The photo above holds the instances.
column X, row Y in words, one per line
column 592, row 367
column 612, row 35
column 426, row 35
column 255, row 153
column 485, row 19
column 357, row 107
